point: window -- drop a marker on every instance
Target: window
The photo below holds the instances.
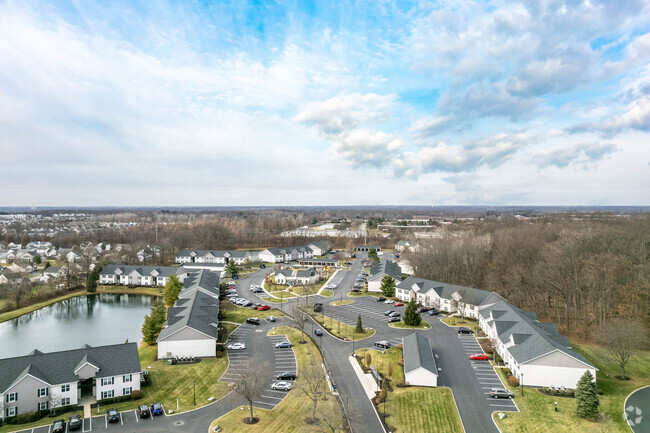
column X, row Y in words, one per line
column 65, row 388
column 42, row 392
column 126, row 378
column 12, row 397
column 65, row 401
column 107, row 381
column 42, row 405
column 107, row 394
column 11, row 411
column 126, row 391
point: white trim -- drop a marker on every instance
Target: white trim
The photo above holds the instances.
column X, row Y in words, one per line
column 548, row 353
column 84, row 364
column 189, row 327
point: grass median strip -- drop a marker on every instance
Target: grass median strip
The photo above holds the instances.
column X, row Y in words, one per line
column 327, row 293
column 343, row 302
column 340, row 329
column 402, row 325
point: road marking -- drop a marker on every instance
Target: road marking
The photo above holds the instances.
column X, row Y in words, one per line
column 274, row 398
column 106, row 421
column 135, row 412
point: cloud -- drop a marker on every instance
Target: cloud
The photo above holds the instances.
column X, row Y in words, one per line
column 347, row 111
column 363, row 147
column 582, row 155
column 636, row 117
column 488, row 100
column 426, row 127
column 491, row 151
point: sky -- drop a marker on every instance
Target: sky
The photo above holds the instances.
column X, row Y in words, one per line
column 462, row 102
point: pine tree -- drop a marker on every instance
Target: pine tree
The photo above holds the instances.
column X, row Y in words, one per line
column 388, row 286
column 359, row 328
column 232, row 268
column 172, row 289
column 587, row 402
column 411, row 317
column 372, row 255
column 153, row 322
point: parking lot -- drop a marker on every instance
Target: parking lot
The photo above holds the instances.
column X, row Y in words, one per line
column 100, row 423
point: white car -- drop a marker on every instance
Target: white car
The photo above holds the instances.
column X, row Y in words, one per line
column 282, row 386
column 230, row 283
column 236, row 346
column 389, row 301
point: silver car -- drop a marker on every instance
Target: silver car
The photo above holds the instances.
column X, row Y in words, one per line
column 282, row 386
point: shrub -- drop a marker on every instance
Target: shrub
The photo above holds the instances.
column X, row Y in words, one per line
column 368, row 359
column 400, row 362
column 390, row 370
column 512, row 380
column 545, row 389
column 401, row 383
column 219, row 354
column 570, row 393
column 382, row 396
column 507, row 372
column 136, row 395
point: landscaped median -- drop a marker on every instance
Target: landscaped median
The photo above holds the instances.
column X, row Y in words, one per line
column 537, row 410
column 402, row 325
column 343, row 302
column 407, row 408
column 289, row 416
column 340, row 329
column 455, row 321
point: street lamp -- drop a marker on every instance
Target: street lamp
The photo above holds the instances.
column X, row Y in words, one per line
column 194, row 382
column 522, row 384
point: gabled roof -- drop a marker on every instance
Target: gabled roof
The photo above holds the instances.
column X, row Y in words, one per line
column 468, row 295
column 198, row 311
column 204, row 280
column 58, row 367
column 163, row 271
column 418, row 353
column 385, row 267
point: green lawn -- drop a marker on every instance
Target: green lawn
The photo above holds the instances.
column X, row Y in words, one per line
column 339, row 329
column 402, row 325
column 283, row 295
column 538, row 410
column 413, row 409
column 358, row 294
column 289, row 415
column 270, row 300
column 19, row 312
column 44, row 421
column 327, row 293
column 237, row 314
column 152, row 291
column 305, row 290
column 458, row 321
column 343, row 302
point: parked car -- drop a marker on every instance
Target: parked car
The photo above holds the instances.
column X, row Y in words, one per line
column 464, row 330
column 156, row 409
column 355, row 290
column 394, row 314
column 433, row 312
column 287, row 375
column 384, row 344
column 236, row 346
column 143, row 411
column 318, row 332
column 282, row 386
column 387, row 313
column 318, row 307
column 74, row 423
column 399, row 304
column 479, row 357
column 394, row 319
column 283, row 345
column 389, row 301
column 422, row 310
column 381, row 299
column 258, row 291
column 264, row 308
column 501, row 393
column 112, row 415
column 248, row 304
column 230, row 283
column 58, row 426
column 253, row 321
column 271, row 318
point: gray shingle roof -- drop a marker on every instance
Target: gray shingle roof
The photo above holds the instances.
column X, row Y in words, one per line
column 468, row 295
column 197, row 310
column 163, row 271
column 418, row 353
column 204, row 280
column 385, row 267
column 58, row 367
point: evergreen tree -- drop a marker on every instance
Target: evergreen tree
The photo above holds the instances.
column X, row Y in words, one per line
column 388, row 286
column 372, row 255
column 37, row 260
column 359, row 328
column 93, row 277
column 232, row 268
column 172, row 290
column 411, row 317
column 587, row 402
column 153, row 322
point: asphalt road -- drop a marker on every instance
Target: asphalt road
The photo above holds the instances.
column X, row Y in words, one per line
column 637, row 410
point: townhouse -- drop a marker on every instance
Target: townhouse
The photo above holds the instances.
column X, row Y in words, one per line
column 296, row 276
column 215, row 256
column 320, row 248
column 535, row 352
column 285, row 254
column 154, row 276
column 379, row 270
column 450, row 298
column 40, row 381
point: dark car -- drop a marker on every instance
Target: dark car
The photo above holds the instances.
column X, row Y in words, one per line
column 394, row 319
column 389, row 312
column 384, row 344
column 156, row 409
column 381, row 299
column 287, row 375
column 143, row 411
column 318, row 307
column 74, row 423
column 433, row 312
column 58, row 426
column 464, row 330
column 283, row 345
column 318, row 332
column 113, row 415
column 253, row 320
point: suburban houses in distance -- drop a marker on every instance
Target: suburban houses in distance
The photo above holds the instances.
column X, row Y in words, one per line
column 270, row 255
column 39, row 381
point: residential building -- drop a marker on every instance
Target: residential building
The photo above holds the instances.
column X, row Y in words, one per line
column 535, row 352
column 320, row 248
column 297, row 276
column 215, row 256
column 366, row 248
column 379, row 270
column 420, row 367
column 40, row 380
column 407, row 246
column 140, row 275
column 285, row 254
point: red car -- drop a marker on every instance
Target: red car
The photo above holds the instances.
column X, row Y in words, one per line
column 398, row 304
column 479, row 357
column 264, row 307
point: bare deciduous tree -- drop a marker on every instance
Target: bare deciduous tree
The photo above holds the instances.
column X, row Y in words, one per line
column 313, row 385
column 299, row 320
column 250, row 384
column 623, row 339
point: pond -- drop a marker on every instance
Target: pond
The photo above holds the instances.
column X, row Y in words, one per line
column 95, row 320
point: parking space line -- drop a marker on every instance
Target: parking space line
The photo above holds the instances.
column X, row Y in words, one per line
column 135, row 413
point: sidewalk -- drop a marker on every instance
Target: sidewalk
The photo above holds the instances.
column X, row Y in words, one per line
column 368, row 383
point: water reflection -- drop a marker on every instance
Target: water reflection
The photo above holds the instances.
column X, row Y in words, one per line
column 94, row 319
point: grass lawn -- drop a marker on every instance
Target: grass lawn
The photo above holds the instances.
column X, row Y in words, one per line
column 270, row 287
column 402, row 325
column 19, row 312
column 45, row 421
column 458, row 321
column 538, row 410
column 152, row 291
column 341, row 330
column 283, row 295
column 304, row 290
column 270, row 300
column 289, row 415
column 237, row 314
column 343, row 302
column 358, row 294
column 413, row 409
column 171, row 382
column 327, row 293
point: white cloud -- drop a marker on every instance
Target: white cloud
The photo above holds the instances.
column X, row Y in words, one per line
column 363, row 147
column 581, row 155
